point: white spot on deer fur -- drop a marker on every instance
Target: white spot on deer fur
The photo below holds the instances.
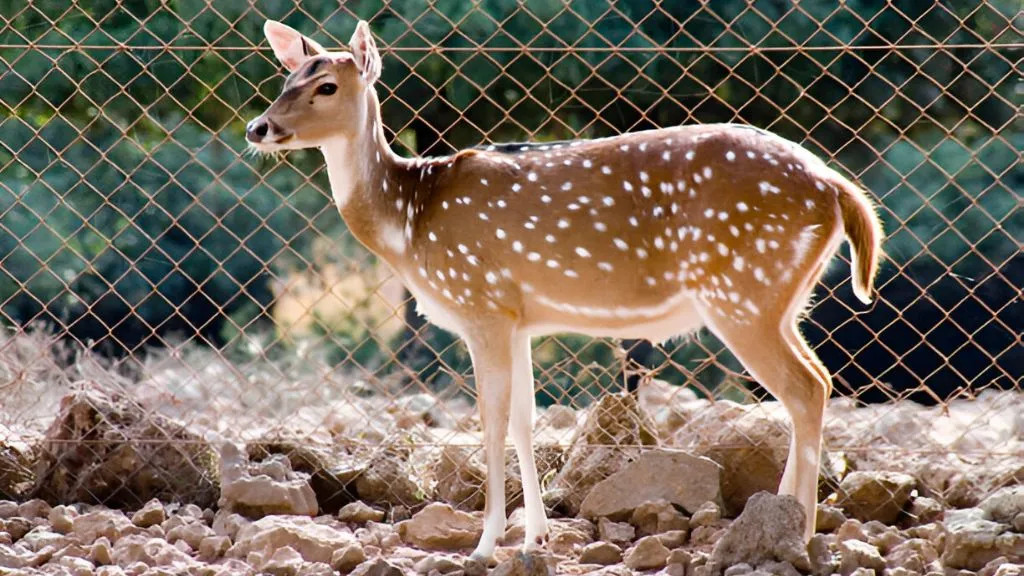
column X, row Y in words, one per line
column 752, row 307
column 644, row 177
column 723, row 216
column 583, row 252
column 723, row 249
column 483, row 216
column 587, row 164
column 659, row 243
column 742, row 206
column 563, row 223
column 819, row 185
column 567, row 186
column 730, row 155
column 645, row 191
column 440, row 275
column 608, row 201
column 444, row 204
column 666, row 155
column 502, row 203
column 532, row 176
column 627, row 186
column 583, row 200
column 552, row 264
column 500, row 233
column 759, row 274
column 704, row 257
column 650, row 281
column 491, row 278
column 709, row 213
column 600, row 226
column 809, row 203
column 759, row 244
column 517, row 246
column 634, row 222
column 624, row 147
column 697, row 178
column 550, row 238
column 432, row 236
column 751, row 155
column 620, row 244
column 604, row 266
column 462, row 248
column 533, row 257
column 606, row 170
column 573, row 206
column 737, row 263
column 734, row 230
column 529, row 225
column 767, row 187
column 571, row 274
column 803, row 243
column 706, row 172
column 641, row 253
column 545, row 199
column 483, row 181
column 517, row 187
column 689, row 154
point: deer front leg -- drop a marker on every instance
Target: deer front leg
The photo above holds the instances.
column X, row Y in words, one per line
column 491, row 354
column 521, row 427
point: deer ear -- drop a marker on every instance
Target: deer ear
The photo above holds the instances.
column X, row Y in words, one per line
column 290, row 47
column 364, row 50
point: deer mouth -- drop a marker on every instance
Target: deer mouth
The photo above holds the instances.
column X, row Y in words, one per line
column 269, row 146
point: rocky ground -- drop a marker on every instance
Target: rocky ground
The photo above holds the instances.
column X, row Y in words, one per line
column 178, row 472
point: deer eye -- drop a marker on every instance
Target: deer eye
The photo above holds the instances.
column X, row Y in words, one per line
column 326, row 89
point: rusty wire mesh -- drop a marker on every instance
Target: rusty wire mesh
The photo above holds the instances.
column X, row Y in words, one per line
column 221, row 295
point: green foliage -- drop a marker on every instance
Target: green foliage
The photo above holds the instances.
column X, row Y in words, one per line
column 124, row 168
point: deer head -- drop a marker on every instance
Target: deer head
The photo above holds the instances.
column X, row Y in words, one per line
column 324, row 95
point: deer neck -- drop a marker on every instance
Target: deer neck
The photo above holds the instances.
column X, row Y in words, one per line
column 365, row 177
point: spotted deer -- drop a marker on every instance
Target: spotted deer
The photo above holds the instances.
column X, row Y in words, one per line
column 649, row 235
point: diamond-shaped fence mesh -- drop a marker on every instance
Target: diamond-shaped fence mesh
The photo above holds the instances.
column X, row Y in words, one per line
column 163, row 290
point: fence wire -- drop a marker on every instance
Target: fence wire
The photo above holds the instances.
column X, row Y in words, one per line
column 164, row 290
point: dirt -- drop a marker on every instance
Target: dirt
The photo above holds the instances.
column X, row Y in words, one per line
column 194, row 465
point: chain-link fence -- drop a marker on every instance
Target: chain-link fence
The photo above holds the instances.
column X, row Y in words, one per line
column 219, row 294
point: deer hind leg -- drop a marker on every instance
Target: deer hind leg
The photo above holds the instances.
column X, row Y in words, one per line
column 521, row 427
column 492, row 356
column 780, row 361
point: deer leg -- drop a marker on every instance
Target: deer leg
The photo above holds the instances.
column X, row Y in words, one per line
column 521, row 428
column 492, row 366
column 780, row 363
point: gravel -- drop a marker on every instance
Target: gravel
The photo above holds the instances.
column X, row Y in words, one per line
column 302, row 471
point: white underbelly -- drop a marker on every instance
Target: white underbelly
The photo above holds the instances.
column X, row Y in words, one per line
column 680, row 318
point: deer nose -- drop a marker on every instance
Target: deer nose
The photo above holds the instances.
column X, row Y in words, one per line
column 257, row 130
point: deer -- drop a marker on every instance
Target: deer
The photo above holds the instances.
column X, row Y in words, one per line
column 650, row 235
